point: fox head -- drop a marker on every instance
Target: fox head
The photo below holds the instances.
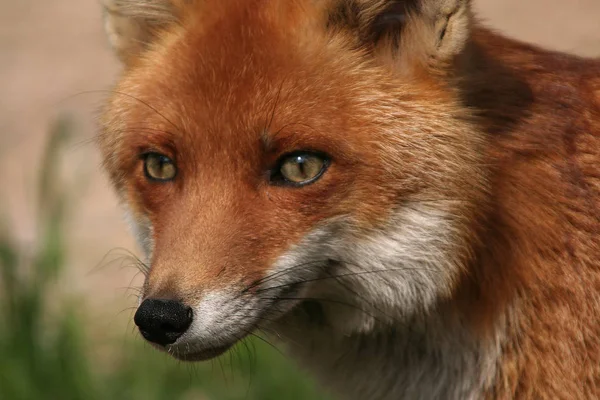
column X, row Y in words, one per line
column 272, row 153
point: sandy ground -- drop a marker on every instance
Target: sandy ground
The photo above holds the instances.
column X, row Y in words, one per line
column 53, row 50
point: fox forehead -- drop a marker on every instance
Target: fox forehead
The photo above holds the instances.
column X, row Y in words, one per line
column 244, row 80
column 229, row 63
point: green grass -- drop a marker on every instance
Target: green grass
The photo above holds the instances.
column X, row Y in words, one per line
column 46, row 352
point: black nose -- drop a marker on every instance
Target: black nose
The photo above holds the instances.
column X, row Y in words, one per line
column 163, row 321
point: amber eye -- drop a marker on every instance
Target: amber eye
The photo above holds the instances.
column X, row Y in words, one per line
column 300, row 168
column 158, row 167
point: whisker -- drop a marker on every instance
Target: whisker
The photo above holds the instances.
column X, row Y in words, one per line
column 252, row 364
column 137, row 290
column 276, row 102
column 267, row 342
column 275, row 275
column 178, row 129
column 341, row 276
column 220, row 361
column 105, row 263
column 323, row 300
column 357, row 295
column 259, row 317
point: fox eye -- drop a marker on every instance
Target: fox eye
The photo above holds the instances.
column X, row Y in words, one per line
column 158, row 167
column 300, row 168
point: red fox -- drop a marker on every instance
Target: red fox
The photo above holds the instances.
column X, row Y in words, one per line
column 408, row 199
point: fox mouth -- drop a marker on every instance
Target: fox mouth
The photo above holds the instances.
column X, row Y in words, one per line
column 188, row 351
column 196, row 356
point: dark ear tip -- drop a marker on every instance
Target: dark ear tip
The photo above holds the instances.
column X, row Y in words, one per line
column 386, row 19
column 392, row 19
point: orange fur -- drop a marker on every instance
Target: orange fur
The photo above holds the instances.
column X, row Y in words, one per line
column 504, row 135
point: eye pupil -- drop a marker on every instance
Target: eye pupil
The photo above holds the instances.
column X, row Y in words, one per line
column 159, row 167
column 301, row 166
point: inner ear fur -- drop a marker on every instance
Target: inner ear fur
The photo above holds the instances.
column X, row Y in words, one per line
column 132, row 25
column 412, row 33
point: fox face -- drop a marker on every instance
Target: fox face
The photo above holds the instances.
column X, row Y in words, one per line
column 269, row 154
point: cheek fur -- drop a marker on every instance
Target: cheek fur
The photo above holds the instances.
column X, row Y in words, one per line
column 400, row 269
column 141, row 228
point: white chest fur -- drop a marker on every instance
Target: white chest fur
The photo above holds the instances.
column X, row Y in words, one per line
column 425, row 359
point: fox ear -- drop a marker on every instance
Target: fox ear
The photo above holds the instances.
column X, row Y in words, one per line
column 132, row 25
column 411, row 32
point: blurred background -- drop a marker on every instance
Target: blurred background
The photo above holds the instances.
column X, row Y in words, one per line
column 65, row 330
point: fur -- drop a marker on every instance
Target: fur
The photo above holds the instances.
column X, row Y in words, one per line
column 451, row 248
